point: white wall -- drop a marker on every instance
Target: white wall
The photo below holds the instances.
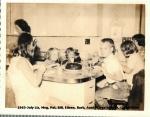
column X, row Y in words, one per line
column 125, row 18
column 122, row 16
column 70, row 24
column 65, row 42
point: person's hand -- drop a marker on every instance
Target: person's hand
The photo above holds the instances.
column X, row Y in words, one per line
column 95, row 60
column 103, row 67
column 42, row 68
column 53, row 65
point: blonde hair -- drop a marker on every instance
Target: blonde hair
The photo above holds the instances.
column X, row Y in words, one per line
column 48, row 53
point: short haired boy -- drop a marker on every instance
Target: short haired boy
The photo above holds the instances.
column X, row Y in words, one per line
column 110, row 87
column 139, row 40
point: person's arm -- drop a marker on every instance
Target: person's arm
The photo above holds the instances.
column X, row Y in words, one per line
column 34, row 78
column 117, row 76
column 123, row 63
column 129, row 64
column 127, row 69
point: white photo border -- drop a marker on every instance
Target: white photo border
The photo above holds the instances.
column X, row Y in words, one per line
column 57, row 112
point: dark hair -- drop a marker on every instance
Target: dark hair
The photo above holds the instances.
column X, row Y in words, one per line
column 37, row 53
column 128, row 47
column 24, row 40
column 70, row 49
column 140, row 38
column 111, row 42
column 23, row 25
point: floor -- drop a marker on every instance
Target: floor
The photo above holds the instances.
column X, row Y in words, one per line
column 10, row 98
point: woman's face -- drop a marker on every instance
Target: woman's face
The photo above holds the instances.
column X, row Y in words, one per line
column 18, row 29
column 30, row 49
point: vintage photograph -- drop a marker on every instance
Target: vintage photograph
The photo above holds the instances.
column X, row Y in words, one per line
column 75, row 56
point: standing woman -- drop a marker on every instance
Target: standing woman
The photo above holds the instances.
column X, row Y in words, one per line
column 24, row 80
column 23, row 27
column 139, row 40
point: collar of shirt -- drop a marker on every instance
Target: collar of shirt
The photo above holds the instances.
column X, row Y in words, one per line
column 107, row 58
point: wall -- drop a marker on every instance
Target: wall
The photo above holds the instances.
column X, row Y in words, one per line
column 65, row 42
column 14, row 11
column 120, row 20
column 57, row 19
column 59, row 25
column 65, row 25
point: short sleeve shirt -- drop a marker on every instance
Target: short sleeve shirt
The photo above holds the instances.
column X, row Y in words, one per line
column 111, row 66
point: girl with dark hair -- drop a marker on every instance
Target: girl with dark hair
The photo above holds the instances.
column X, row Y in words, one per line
column 24, row 80
column 133, row 63
column 139, row 40
column 71, row 56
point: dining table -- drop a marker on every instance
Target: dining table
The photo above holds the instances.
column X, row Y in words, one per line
column 74, row 87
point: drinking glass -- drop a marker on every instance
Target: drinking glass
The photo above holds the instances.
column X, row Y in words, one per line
column 62, row 57
column 90, row 62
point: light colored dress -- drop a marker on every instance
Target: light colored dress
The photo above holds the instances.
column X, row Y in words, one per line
column 25, row 93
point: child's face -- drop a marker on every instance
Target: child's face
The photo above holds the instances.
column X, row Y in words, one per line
column 125, row 54
column 106, row 49
column 70, row 55
column 54, row 55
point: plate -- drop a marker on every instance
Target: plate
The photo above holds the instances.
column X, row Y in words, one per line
column 49, row 72
column 72, row 70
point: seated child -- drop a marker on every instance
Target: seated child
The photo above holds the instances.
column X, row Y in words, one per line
column 133, row 63
column 139, row 41
column 113, row 86
column 71, row 56
column 52, row 58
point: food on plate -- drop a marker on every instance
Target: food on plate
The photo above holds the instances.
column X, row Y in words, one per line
column 53, row 65
column 73, row 66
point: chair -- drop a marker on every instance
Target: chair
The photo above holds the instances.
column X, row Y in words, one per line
column 136, row 97
column 112, row 95
column 115, row 102
column 9, row 95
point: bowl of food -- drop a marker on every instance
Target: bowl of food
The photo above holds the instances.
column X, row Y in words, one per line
column 73, row 67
